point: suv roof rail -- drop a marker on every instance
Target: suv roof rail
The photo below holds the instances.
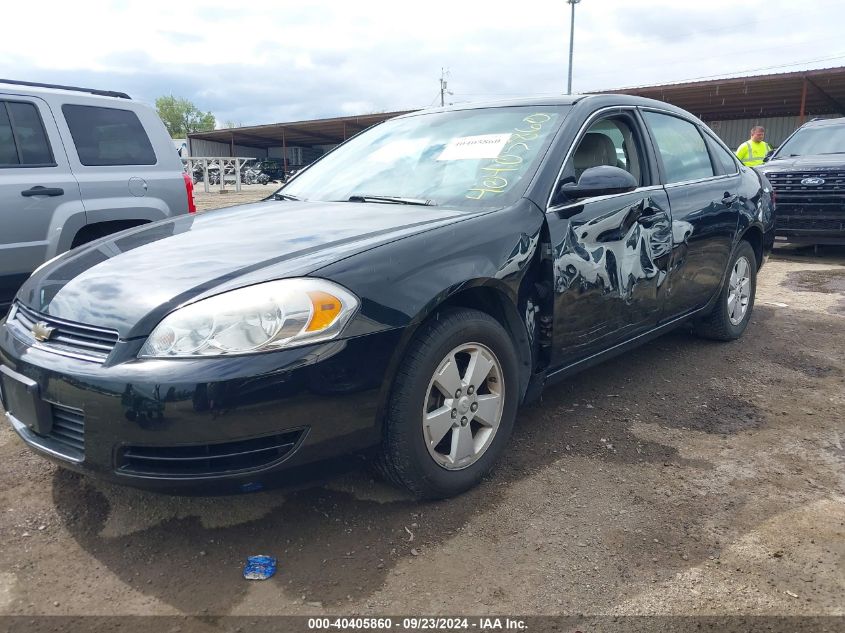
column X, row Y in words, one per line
column 93, row 91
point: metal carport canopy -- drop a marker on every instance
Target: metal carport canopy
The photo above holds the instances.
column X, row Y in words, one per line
column 297, row 133
column 809, row 92
column 802, row 93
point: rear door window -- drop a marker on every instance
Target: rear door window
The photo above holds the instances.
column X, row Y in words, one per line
column 23, row 141
column 108, row 136
column 681, row 146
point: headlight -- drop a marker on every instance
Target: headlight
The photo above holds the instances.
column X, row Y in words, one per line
column 259, row 318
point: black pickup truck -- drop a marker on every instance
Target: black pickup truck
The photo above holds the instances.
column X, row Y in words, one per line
column 807, row 173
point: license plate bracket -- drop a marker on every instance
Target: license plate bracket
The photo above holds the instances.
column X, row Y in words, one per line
column 22, row 400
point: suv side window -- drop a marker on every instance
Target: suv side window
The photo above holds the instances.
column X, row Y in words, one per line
column 108, row 136
column 681, row 146
column 23, row 141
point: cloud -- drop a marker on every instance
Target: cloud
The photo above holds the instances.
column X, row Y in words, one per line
column 274, row 62
column 181, row 37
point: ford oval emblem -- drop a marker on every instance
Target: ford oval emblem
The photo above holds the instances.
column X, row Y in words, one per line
column 813, row 181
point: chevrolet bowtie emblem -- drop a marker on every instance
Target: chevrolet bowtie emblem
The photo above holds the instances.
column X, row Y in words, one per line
column 41, row 331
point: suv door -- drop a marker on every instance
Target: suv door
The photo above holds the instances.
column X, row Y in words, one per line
column 705, row 205
column 39, row 196
column 611, row 252
column 126, row 164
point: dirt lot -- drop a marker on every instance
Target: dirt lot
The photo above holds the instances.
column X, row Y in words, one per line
column 214, row 199
column 687, row 477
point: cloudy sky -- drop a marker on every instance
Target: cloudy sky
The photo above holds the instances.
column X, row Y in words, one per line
column 264, row 61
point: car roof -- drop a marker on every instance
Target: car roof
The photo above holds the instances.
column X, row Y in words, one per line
column 597, row 99
column 823, row 122
column 38, row 89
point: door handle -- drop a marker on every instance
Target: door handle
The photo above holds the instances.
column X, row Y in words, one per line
column 728, row 200
column 43, row 191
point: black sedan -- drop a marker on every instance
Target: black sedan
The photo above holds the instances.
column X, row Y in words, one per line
column 399, row 298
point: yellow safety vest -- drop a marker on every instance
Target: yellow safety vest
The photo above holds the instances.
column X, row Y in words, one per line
column 752, row 154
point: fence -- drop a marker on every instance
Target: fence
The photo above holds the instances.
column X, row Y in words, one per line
column 217, row 170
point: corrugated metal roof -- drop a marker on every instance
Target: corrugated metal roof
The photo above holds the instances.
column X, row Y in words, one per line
column 301, row 133
column 753, row 97
column 777, row 94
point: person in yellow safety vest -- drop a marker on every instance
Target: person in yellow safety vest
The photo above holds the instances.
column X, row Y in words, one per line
column 754, row 150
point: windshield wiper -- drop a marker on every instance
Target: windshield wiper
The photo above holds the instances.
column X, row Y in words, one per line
column 284, row 196
column 392, row 200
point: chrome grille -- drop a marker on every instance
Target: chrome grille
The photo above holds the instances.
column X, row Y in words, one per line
column 790, row 191
column 70, row 339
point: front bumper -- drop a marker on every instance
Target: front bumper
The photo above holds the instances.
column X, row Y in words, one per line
column 810, row 237
column 172, row 424
column 810, row 224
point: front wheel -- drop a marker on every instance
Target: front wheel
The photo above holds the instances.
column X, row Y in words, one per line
column 453, row 405
column 729, row 317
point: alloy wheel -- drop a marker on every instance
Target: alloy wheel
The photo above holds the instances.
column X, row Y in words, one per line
column 463, row 406
column 739, row 291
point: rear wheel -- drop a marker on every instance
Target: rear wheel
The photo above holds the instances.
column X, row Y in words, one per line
column 453, row 405
column 729, row 317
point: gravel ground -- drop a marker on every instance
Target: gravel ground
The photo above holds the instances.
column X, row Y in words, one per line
column 686, row 477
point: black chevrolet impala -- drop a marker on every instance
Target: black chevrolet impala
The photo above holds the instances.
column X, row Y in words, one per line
column 400, row 298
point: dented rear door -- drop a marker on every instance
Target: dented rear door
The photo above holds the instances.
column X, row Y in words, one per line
column 705, row 210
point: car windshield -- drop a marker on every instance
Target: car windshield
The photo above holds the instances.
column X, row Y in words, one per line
column 462, row 158
column 826, row 139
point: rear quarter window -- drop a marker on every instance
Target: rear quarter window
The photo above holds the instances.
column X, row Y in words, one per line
column 724, row 159
column 108, row 136
column 8, row 149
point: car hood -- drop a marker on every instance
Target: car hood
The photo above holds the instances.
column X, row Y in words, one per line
column 129, row 281
column 815, row 162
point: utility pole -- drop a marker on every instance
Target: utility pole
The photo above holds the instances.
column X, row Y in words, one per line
column 571, row 43
column 443, row 91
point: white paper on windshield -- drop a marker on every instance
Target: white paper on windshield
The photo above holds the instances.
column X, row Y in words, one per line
column 403, row 148
column 483, row 146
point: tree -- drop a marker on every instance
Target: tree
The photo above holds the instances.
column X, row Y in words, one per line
column 181, row 117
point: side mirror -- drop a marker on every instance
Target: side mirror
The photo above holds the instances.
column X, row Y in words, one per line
column 768, row 155
column 603, row 180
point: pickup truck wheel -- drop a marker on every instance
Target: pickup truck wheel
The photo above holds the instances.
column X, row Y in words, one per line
column 452, row 406
column 729, row 317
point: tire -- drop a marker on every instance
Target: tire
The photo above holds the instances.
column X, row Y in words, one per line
column 730, row 315
column 478, row 421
